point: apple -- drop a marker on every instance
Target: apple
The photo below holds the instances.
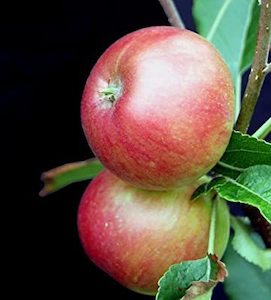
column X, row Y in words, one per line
column 135, row 235
column 158, row 107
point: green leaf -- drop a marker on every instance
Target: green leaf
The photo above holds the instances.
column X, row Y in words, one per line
column 231, row 26
column 245, row 281
column 191, row 279
column 243, row 152
column 252, row 187
column 225, row 23
column 206, row 188
column 62, row 176
column 245, row 246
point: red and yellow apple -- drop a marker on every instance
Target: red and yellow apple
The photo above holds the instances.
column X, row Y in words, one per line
column 136, row 235
column 158, row 107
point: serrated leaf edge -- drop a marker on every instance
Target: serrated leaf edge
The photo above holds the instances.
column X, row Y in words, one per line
column 251, row 137
column 222, row 273
column 243, row 187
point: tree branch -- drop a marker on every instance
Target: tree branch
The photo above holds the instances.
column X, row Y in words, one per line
column 172, row 13
column 259, row 68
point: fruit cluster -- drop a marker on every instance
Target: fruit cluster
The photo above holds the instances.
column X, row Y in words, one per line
column 157, row 110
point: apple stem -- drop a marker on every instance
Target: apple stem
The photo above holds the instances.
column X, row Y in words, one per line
column 260, row 68
column 211, row 243
column 172, row 13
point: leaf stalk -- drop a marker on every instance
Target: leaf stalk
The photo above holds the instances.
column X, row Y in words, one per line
column 264, row 130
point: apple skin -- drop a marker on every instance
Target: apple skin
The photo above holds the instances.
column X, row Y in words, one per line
column 135, row 235
column 158, row 107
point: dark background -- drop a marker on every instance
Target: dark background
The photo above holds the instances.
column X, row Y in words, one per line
column 47, row 51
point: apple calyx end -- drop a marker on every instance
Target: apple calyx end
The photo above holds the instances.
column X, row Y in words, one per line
column 111, row 93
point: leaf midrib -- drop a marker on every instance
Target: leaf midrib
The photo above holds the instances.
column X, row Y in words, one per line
column 217, row 20
column 245, row 188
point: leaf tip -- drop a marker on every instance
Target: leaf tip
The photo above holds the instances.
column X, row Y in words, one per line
column 46, row 178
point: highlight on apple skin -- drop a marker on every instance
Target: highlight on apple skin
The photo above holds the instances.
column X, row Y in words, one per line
column 135, row 235
column 158, row 107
